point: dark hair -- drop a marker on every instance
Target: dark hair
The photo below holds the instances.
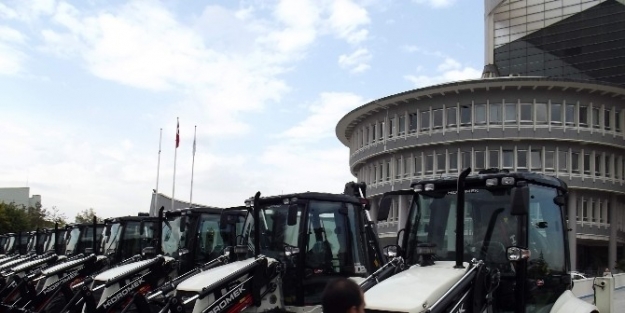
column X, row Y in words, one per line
column 340, row 295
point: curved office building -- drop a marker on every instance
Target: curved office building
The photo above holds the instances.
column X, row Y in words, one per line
column 572, row 129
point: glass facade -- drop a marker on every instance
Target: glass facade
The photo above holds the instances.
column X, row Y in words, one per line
column 589, row 44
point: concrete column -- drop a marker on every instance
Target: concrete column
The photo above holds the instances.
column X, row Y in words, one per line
column 613, row 233
column 573, row 226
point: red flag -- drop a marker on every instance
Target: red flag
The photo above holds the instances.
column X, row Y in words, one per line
column 177, row 134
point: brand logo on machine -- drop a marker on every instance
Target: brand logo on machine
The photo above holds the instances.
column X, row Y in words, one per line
column 453, row 192
column 61, row 281
column 122, row 293
column 225, row 302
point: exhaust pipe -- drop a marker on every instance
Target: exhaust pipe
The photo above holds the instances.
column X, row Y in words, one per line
column 256, row 224
column 460, row 218
column 159, row 240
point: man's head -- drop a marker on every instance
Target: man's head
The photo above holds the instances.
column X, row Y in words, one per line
column 343, row 295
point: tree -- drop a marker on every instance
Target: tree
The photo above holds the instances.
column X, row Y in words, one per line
column 86, row 216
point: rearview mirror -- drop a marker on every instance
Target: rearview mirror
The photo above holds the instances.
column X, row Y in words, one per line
column 385, row 208
column 391, row 251
column 520, row 199
column 292, row 215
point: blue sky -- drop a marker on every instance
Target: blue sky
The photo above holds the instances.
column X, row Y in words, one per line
column 85, row 87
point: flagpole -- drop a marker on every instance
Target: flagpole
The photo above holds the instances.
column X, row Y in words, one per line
column 158, row 168
column 192, row 166
column 173, row 189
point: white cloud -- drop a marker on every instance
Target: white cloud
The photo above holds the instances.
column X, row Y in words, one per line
column 324, row 115
column 448, row 71
column 347, row 18
column 436, row 3
column 357, row 61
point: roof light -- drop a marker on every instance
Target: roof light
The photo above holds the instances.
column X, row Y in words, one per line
column 285, row 201
column 294, row 200
column 517, row 254
column 507, row 181
column 429, row 187
column 417, row 188
column 248, row 203
column 491, row 182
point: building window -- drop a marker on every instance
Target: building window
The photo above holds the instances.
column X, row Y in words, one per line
column 453, row 162
column 583, row 116
column 508, row 159
column 372, row 172
column 617, row 120
column 556, row 113
column 429, row 164
column 495, row 113
column 388, row 170
column 510, row 113
column 398, row 168
column 563, row 161
column 373, row 128
column 493, row 159
column 452, row 117
column 391, row 127
column 585, row 210
column 425, row 120
column 536, row 161
column 367, row 139
column 608, row 165
column 550, row 157
column 379, row 172
column 401, row 125
column 541, row 113
column 575, row 162
column 606, row 119
column 418, row 167
column 406, row 166
column 595, row 117
column 438, row 119
column 466, row 159
column 587, row 163
column 465, row 115
column 591, row 214
column 413, row 119
column 381, row 131
column 608, row 209
column 597, row 164
column 440, row 163
column 480, row 114
column 526, row 114
column 480, row 162
column 569, row 115
column 521, row 159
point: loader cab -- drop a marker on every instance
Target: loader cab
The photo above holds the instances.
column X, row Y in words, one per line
column 200, row 237
column 126, row 236
column 79, row 238
column 514, row 222
column 316, row 236
column 10, row 243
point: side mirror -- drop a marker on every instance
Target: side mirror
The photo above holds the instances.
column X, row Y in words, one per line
column 148, row 252
column 391, row 251
column 520, row 199
column 385, row 208
column 292, row 215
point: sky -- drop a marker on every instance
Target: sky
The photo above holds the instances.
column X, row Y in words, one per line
column 86, row 86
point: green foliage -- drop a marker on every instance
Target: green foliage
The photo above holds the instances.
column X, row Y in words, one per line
column 86, row 216
column 16, row 218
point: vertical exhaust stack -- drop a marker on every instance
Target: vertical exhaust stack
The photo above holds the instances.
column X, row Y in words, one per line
column 256, row 211
column 460, row 218
column 159, row 238
column 95, row 237
column 56, row 239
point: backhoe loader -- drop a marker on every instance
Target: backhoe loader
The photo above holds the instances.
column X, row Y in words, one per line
column 491, row 242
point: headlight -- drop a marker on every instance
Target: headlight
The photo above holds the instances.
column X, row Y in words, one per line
column 517, row 254
column 418, row 188
column 429, row 187
column 507, row 181
column 491, row 182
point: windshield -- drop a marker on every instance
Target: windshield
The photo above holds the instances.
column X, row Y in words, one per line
column 112, row 241
column 171, row 238
column 72, row 240
column 209, row 245
column 49, row 245
column 487, row 219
